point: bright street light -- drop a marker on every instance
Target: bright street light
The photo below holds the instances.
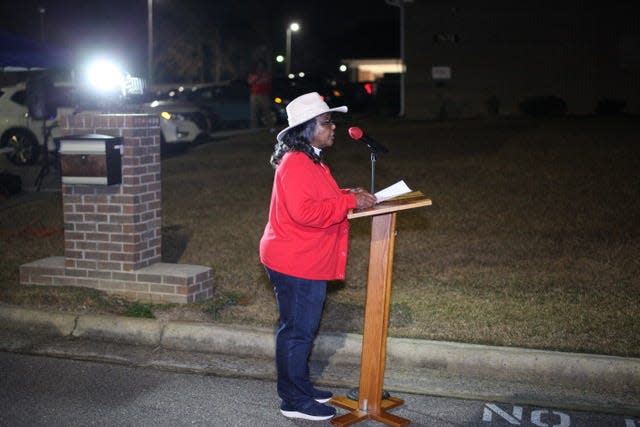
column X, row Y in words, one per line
column 293, row 27
column 105, row 76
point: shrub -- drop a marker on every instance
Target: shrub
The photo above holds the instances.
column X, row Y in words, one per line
column 141, row 309
column 610, row 106
column 544, row 106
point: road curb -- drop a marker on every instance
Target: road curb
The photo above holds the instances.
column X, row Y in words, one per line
column 572, row 369
column 38, row 321
column 119, row 328
column 210, row 338
column 538, row 366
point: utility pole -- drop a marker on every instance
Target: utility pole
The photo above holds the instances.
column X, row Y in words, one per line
column 41, row 11
column 149, row 42
column 400, row 4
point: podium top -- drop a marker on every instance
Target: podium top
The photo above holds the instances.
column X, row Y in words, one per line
column 412, row 200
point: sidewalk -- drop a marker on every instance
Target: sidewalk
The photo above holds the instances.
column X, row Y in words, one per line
column 496, row 374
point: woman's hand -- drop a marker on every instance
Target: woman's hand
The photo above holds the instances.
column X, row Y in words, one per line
column 364, row 199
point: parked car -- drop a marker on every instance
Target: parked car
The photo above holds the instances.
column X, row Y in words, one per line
column 22, row 138
column 226, row 104
column 358, row 96
column 180, row 122
column 285, row 90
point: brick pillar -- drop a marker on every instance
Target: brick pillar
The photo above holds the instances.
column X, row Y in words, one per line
column 113, row 233
column 116, row 227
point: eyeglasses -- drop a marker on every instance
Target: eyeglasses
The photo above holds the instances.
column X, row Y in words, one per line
column 327, row 122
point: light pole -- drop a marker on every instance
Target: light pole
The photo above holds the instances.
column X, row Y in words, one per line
column 293, row 27
column 149, row 42
column 400, row 4
column 41, row 11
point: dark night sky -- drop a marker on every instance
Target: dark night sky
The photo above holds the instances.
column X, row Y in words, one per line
column 330, row 29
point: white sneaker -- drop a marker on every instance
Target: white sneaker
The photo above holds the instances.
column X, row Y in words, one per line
column 313, row 411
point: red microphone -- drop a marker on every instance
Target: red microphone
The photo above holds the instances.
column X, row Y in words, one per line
column 358, row 134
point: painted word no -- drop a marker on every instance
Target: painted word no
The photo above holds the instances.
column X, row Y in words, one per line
column 537, row 416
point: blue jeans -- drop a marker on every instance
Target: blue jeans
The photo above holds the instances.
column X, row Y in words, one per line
column 300, row 303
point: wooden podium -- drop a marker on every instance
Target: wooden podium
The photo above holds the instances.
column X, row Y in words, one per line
column 370, row 404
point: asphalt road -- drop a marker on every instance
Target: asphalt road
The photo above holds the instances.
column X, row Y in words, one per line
column 44, row 391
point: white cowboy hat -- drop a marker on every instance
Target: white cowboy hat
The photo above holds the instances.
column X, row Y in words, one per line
column 306, row 107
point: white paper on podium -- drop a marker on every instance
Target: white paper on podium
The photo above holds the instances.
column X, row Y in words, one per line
column 392, row 191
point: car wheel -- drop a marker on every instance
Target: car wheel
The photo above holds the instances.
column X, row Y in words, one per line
column 26, row 149
column 213, row 121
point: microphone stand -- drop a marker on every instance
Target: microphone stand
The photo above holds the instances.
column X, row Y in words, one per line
column 357, row 135
column 374, row 158
column 44, row 170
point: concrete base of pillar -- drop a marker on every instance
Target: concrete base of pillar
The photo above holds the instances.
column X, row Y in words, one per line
column 160, row 282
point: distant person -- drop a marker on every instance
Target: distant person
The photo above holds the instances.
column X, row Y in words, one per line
column 260, row 95
column 304, row 245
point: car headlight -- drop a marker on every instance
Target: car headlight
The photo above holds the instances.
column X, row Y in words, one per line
column 171, row 116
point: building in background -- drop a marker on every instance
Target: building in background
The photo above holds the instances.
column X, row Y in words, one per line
column 361, row 70
column 468, row 59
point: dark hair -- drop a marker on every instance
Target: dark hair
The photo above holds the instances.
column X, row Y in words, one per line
column 297, row 138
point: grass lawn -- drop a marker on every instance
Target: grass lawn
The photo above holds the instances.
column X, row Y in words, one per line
column 533, row 239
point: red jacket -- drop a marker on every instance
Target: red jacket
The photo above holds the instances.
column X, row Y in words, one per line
column 259, row 83
column 307, row 235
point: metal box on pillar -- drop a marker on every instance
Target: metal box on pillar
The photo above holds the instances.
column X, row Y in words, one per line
column 90, row 159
